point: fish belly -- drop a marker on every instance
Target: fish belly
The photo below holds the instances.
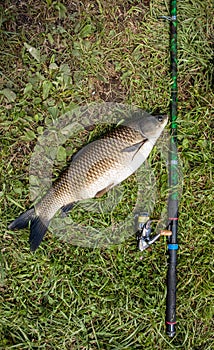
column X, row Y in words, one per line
column 116, row 174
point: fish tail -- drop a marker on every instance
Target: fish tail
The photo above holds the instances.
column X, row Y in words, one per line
column 38, row 227
column 23, row 220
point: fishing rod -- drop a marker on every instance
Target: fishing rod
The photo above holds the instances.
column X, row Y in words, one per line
column 142, row 220
column 173, row 183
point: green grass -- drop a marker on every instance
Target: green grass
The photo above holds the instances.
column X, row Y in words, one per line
column 68, row 297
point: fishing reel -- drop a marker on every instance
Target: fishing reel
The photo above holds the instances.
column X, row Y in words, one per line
column 144, row 231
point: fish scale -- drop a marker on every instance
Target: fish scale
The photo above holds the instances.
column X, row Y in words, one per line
column 96, row 168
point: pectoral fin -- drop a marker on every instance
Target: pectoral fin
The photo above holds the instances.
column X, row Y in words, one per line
column 135, row 147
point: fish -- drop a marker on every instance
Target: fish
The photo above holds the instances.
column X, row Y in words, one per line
column 94, row 170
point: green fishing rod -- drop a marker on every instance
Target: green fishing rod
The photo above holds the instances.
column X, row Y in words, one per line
column 142, row 220
column 173, row 182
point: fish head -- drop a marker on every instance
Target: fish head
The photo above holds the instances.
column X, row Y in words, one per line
column 148, row 125
column 152, row 126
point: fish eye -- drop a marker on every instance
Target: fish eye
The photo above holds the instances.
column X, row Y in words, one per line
column 160, row 118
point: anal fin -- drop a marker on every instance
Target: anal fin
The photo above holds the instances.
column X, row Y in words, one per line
column 103, row 191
